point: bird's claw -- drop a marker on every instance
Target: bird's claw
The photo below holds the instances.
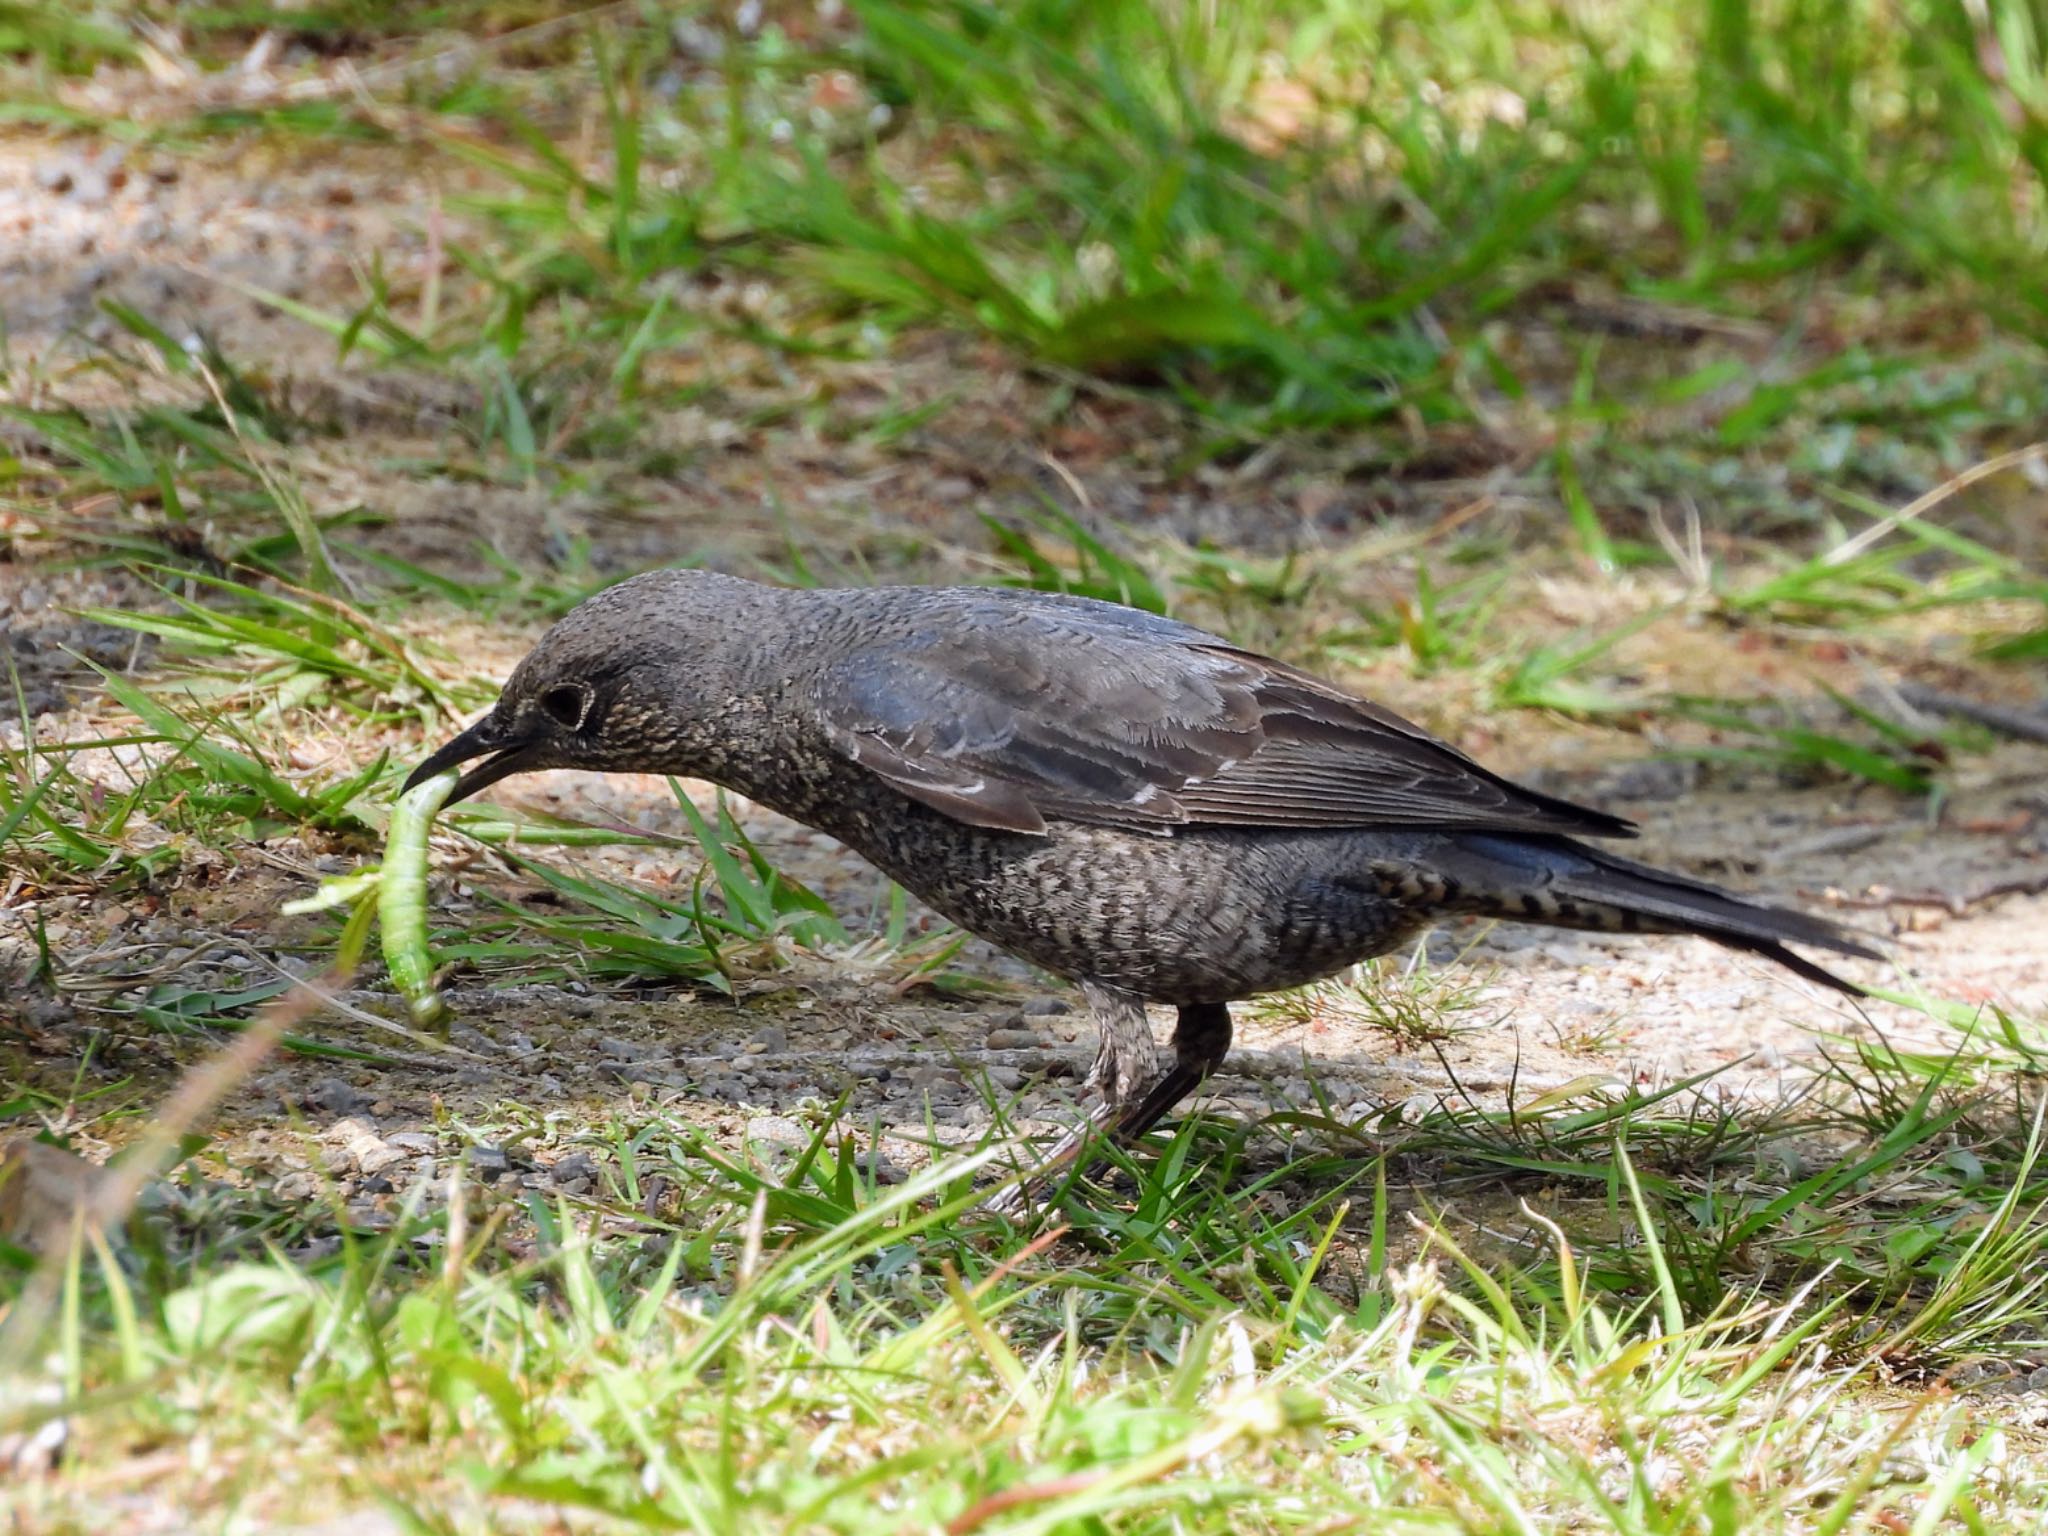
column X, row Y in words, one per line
column 1028, row 1193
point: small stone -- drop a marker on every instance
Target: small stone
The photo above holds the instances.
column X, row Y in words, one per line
column 876, row 1165
column 296, row 1186
column 771, row 1039
column 777, row 1130
column 356, row 1145
column 412, row 1141
column 577, row 1167
column 640, row 1091
column 335, row 1096
column 36, row 1452
column 489, row 1163
column 1045, row 1007
column 373, row 1156
column 1003, row 1038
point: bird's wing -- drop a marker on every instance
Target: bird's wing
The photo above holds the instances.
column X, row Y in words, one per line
column 1011, row 715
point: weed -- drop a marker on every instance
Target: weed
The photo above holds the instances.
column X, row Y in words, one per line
column 1884, row 753
column 1414, row 1002
column 1097, row 570
column 293, row 649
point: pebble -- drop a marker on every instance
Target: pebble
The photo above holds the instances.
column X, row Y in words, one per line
column 1004, row 1039
column 576, row 1168
column 355, row 1144
column 1046, row 1007
column 876, row 1165
column 47, row 1012
column 36, row 1452
column 374, row 1156
column 777, row 1130
column 335, row 1096
column 489, row 1163
column 773, row 1039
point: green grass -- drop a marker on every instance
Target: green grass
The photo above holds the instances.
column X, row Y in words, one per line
column 1309, row 219
column 1237, row 1342
column 1283, row 218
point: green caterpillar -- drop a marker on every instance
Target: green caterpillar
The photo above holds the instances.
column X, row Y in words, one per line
column 402, row 901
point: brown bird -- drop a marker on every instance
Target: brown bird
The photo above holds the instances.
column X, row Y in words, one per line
column 1121, row 799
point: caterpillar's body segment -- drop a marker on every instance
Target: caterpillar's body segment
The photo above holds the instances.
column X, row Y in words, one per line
column 402, row 901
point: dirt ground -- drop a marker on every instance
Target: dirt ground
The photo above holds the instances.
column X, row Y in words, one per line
column 1964, row 892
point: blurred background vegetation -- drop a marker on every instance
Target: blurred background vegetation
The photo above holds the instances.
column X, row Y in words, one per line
column 1820, row 226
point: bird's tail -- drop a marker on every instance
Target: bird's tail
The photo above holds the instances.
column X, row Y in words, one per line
column 1566, row 884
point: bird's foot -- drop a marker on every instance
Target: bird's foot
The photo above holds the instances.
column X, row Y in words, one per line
column 1134, row 1094
column 1122, row 1122
column 1029, row 1193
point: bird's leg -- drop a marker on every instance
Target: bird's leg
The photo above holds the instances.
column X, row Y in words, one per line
column 1126, row 1055
column 1126, row 1060
column 1133, row 1094
column 1201, row 1039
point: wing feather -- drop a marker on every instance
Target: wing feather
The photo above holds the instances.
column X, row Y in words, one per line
column 1011, row 710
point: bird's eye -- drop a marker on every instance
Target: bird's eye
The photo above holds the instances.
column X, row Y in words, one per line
column 567, row 704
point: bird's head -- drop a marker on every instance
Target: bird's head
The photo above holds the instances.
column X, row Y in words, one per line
column 623, row 683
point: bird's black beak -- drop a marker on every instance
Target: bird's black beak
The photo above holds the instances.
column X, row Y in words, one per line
column 501, row 759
